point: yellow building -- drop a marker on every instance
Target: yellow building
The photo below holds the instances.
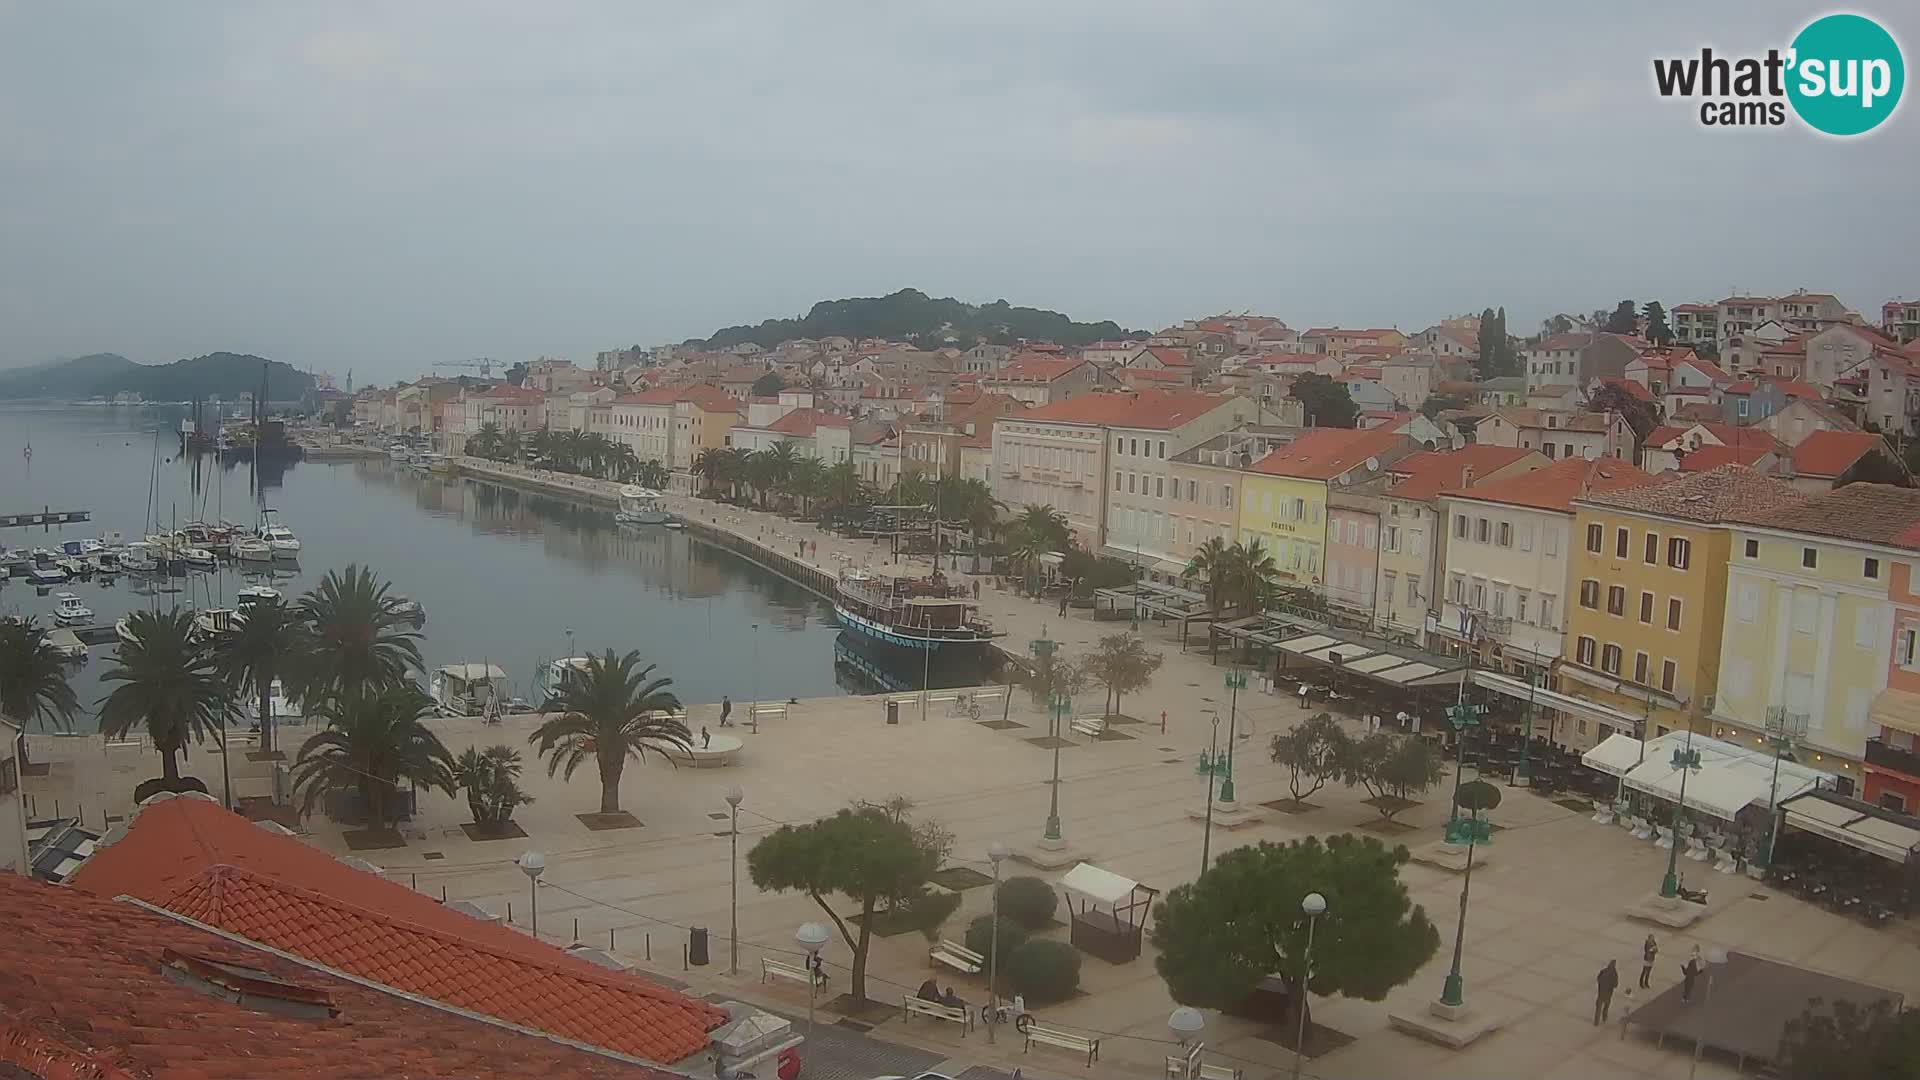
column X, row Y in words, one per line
column 1814, row 625
column 1648, row 589
column 1283, row 496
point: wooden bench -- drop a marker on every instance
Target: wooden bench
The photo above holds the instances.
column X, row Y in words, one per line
column 958, row 957
column 774, row 969
column 1091, row 726
column 911, row 1006
column 1065, row 1040
column 1216, row 1072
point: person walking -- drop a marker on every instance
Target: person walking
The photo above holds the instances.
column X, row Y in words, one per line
column 1063, row 605
column 1690, row 971
column 706, row 738
column 1608, row 978
column 1648, row 952
column 726, row 710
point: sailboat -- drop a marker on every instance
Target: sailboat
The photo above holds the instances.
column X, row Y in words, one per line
column 28, row 452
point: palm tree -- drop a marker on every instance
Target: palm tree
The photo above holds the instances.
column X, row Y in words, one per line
column 971, row 502
column 761, row 474
column 261, row 648
column 485, row 443
column 651, row 474
column 844, row 487
column 1047, row 524
column 1251, row 575
column 1025, row 546
column 782, row 458
column 167, row 683
column 611, row 710
column 374, row 741
column 544, row 447
column 490, row 779
column 807, row 479
column 623, row 464
column 33, row 679
column 708, row 465
column 360, row 640
column 1211, row 563
column 510, row 445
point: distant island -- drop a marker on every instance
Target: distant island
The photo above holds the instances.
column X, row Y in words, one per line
column 913, row 316
column 223, row 374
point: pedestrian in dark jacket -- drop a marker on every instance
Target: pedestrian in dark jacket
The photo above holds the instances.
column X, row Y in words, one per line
column 1690, row 971
column 1648, row 952
column 1608, row 978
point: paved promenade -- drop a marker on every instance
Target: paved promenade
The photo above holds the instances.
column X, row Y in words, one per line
column 1546, row 911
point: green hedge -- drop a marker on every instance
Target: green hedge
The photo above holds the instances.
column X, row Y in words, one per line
column 1028, row 901
column 1045, row 970
column 980, row 938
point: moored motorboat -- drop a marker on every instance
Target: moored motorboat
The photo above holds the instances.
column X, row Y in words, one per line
column 196, row 558
column 641, row 506
column 212, row 622
column 253, row 595
column 285, row 545
column 555, row 674
column 69, row 609
column 66, row 643
column 469, row 689
column 910, row 607
column 46, row 575
column 252, row 549
column 140, row 557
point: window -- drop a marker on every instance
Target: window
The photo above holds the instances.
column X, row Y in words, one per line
column 1499, row 602
column 1679, row 552
column 1906, row 647
column 1116, row 480
column 1871, row 569
column 1583, row 651
column 1520, row 604
column 1457, row 589
column 1413, row 588
column 1810, row 558
column 1621, row 538
column 1526, row 537
column 1652, row 555
column 1481, row 530
column 1866, row 627
column 1646, row 607
column 1133, row 447
column 1388, row 579
column 1417, row 542
column 1596, row 536
column 1546, row 611
column 1668, row 669
column 1503, row 535
column 1459, row 527
column 1590, row 595
column 1159, row 486
column 1805, row 603
column 1131, row 477
column 1368, row 536
column 1753, row 549
column 1162, row 450
column 1551, row 533
column 1640, row 668
column 1479, row 595
column 1749, row 603
column 1226, row 497
column 1610, row 659
column 1673, row 613
column 1390, row 537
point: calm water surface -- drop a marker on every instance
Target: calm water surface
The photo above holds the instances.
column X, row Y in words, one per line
column 504, row 576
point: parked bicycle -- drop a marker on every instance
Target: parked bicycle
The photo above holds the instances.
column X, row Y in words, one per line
column 1014, row 1011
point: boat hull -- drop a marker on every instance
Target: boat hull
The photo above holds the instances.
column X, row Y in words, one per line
column 904, row 637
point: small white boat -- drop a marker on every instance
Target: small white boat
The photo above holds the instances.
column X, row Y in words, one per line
column 252, row 549
column 74, row 565
column 140, row 557
column 107, row 561
column 399, row 451
column 555, row 674
column 46, row 575
column 212, row 622
column 246, row 599
column 69, row 609
column 123, row 630
column 641, row 506
column 469, row 689
column 66, row 643
column 285, row 545
column 198, row 558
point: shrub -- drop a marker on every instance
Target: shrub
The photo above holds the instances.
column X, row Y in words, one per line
column 928, row 912
column 1028, row 901
column 980, row 938
column 1045, row 970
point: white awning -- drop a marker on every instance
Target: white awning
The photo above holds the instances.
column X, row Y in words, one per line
column 1103, row 887
column 1816, row 812
column 1730, row 778
column 1616, row 756
column 473, row 672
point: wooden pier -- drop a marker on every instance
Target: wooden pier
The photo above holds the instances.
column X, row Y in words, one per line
column 47, row 517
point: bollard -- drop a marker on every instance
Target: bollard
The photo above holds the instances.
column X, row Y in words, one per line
column 576, row 930
column 413, row 882
column 443, row 894
column 509, row 911
column 1163, row 721
column 684, row 965
column 649, row 946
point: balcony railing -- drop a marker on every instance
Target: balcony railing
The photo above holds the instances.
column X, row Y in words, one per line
column 1905, row 762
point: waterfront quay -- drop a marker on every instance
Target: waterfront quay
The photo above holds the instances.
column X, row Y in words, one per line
column 1548, row 903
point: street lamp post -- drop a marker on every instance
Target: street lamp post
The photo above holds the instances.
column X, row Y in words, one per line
column 1186, row 1023
column 1059, row 707
column 1463, row 718
column 811, row 937
column 1523, row 772
column 753, row 711
column 995, row 854
column 1236, row 681
column 1687, row 760
column 1211, row 765
column 533, row 864
column 734, row 798
column 1784, row 730
column 1312, row 905
column 1473, row 832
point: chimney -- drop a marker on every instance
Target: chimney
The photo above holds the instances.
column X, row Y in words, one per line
column 1466, row 476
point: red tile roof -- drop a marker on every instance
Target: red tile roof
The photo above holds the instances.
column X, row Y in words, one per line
column 1693, row 307
column 1426, row 475
column 1175, row 358
column 84, row 992
column 1361, row 371
column 1038, row 368
column 1556, row 486
column 666, row 395
column 1726, row 434
column 1706, row 367
column 1139, row 409
column 1324, row 453
column 1869, row 513
column 1633, row 389
column 1712, row 457
column 804, row 422
column 1789, row 387
column 1707, row 497
column 1830, row 453
column 193, row 857
column 708, row 398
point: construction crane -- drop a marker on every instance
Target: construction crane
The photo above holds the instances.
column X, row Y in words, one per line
column 485, row 364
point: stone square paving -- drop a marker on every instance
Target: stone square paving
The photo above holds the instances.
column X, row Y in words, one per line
column 1546, row 911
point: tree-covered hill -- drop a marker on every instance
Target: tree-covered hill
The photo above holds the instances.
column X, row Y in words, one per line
column 913, row 316
column 221, row 374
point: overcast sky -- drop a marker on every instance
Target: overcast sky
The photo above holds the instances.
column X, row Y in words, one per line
column 380, row 186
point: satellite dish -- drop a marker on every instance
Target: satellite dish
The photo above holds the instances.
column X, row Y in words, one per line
column 1373, row 464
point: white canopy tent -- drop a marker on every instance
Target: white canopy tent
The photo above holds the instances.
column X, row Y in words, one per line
column 1107, row 912
column 1618, row 755
column 1853, row 824
column 1730, row 778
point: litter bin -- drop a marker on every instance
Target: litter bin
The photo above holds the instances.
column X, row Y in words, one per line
column 893, row 711
column 697, row 947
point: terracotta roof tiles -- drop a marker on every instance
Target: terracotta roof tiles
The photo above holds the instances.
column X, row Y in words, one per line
column 84, row 992
column 1868, row 513
column 1324, row 453
column 1707, row 497
column 1141, row 409
column 1426, row 475
column 1712, row 456
column 1556, row 486
column 1830, row 453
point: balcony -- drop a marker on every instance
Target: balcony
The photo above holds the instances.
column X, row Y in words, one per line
column 1894, row 759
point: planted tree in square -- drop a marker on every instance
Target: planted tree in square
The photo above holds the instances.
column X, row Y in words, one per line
column 1122, row 664
column 1314, row 754
column 1393, row 769
column 1220, row 936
